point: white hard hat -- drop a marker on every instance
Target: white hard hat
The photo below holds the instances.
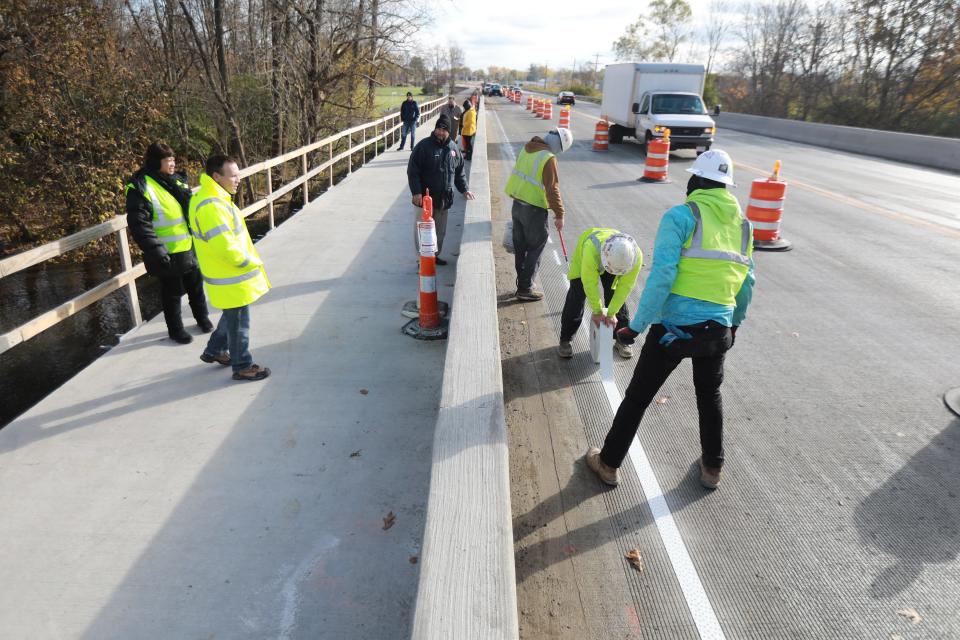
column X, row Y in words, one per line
column 564, row 138
column 618, row 254
column 714, row 165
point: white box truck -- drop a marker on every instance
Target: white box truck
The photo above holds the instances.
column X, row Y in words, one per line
column 642, row 100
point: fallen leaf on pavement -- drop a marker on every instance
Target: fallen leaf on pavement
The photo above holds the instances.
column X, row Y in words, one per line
column 414, row 559
column 364, row 392
column 389, row 520
column 569, row 549
column 635, row 560
column 910, row 614
column 356, row 454
column 663, row 399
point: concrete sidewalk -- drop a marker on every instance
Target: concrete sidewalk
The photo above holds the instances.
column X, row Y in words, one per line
column 154, row 497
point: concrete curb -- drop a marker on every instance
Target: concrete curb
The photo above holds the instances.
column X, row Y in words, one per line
column 928, row 151
column 467, row 584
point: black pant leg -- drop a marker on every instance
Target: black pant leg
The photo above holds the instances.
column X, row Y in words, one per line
column 623, row 315
column 572, row 314
column 519, row 244
column 171, row 291
column 707, row 378
column 193, row 284
column 654, row 366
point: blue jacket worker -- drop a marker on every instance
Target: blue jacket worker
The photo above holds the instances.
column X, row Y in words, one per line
column 409, row 117
column 436, row 164
column 695, row 298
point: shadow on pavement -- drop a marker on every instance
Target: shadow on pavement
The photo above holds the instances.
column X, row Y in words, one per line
column 914, row 516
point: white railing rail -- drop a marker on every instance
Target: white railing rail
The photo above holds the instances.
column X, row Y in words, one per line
column 340, row 147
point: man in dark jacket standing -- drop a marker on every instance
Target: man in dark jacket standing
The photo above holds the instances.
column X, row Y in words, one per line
column 454, row 114
column 436, row 164
column 409, row 117
column 157, row 202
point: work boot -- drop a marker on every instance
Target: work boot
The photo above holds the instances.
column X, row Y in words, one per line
column 440, row 261
column 607, row 474
column 179, row 335
column 530, row 294
column 623, row 350
column 709, row 476
column 565, row 349
column 220, row 358
column 205, row 325
column 253, row 372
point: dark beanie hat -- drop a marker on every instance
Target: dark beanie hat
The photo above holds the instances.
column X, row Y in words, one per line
column 443, row 122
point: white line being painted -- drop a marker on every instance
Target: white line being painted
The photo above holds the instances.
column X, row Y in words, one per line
column 704, row 617
column 556, row 257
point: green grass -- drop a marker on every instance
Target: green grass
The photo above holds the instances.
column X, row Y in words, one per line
column 389, row 98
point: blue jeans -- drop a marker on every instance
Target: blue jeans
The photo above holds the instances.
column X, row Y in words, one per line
column 405, row 128
column 232, row 334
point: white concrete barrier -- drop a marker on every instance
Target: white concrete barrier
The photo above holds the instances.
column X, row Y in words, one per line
column 467, row 584
column 929, row 151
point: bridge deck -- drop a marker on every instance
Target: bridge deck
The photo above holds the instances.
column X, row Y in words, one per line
column 154, row 497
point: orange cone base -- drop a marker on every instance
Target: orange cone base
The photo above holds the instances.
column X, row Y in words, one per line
column 647, row 180
column 411, row 310
column 414, row 330
column 952, row 399
column 780, row 244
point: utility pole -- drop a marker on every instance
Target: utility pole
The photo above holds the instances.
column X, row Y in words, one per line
column 596, row 63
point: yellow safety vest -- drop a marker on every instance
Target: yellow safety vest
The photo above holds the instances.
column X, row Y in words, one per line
column 233, row 274
column 526, row 180
column 715, row 259
column 168, row 221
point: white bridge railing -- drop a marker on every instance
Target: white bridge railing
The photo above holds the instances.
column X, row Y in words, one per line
column 340, row 149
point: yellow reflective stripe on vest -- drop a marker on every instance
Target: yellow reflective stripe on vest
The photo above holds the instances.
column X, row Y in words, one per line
column 595, row 240
column 696, row 250
column 235, row 279
column 532, row 178
column 221, row 228
column 159, row 211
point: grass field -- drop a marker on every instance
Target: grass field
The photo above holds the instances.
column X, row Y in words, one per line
column 389, row 98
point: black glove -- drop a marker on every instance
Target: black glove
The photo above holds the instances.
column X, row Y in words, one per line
column 165, row 260
column 733, row 335
column 626, row 335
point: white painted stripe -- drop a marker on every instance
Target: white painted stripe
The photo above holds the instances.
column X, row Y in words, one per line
column 766, row 204
column 766, row 226
column 549, row 240
column 658, row 156
column 556, row 257
column 704, row 617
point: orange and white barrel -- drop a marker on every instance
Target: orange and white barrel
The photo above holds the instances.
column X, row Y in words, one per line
column 565, row 117
column 765, row 211
column 529, row 103
column 548, row 110
column 601, row 136
column 658, row 159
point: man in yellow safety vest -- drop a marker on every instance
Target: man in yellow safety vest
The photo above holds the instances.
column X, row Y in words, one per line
column 695, row 298
column 233, row 273
column 534, row 185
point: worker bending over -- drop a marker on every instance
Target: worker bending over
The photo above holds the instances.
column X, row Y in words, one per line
column 696, row 296
column 611, row 259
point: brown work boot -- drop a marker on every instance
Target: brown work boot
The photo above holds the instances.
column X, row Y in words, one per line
column 709, row 476
column 530, row 294
column 220, row 358
column 253, row 372
column 607, row 474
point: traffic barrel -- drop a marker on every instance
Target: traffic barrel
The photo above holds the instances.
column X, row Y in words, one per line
column 529, row 103
column 538, row 108
column 601, row 136
column 548, row 110
column 565, row 117
column 658, row 159
column 427, row 325
column 765, row 211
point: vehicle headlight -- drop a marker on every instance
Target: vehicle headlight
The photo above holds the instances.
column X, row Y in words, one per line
column 658, row 129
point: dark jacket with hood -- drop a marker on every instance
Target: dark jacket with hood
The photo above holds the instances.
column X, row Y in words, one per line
column 437, row 166
column 409, row 111
column 140, row 221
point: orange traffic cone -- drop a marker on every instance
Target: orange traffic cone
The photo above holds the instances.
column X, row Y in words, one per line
column 529, row 103
column 601, row 137
column 548, row 110
column 565, row 117
column 427, row 325
column 658, row 158
column 538, row 108
column 765, row 210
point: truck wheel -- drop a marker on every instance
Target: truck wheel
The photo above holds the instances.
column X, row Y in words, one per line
column 646, row 141
column 616, row 134
column 705, row 149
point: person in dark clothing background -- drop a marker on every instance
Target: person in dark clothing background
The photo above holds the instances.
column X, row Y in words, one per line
column 436, row 164
column 409, row 117
column 157, row 199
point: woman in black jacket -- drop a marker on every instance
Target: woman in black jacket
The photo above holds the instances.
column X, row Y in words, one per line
column 158, row 200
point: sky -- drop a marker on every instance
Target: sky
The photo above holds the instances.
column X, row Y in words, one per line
column 518, row 33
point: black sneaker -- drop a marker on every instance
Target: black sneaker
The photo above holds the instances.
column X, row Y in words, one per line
column 441, row 262
column 205, row 325
column 181, row 336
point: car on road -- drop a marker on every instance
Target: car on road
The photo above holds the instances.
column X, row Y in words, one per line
column 566, row 97
column 496, row 90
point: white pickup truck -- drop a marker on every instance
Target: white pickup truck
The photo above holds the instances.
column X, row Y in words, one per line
column 642, row 100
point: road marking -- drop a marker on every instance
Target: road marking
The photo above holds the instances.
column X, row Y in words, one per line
column 556, row 257
column 704, row 617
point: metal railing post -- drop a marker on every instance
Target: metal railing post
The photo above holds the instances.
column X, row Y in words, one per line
column 306, row 181
column 126, row 264
column 270, row 195
column 330, row 160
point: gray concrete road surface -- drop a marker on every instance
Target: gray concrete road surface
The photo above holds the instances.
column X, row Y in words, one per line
column 839, row 513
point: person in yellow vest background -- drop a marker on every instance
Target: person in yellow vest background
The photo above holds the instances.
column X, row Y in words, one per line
column 233, row 273
column 694, row 299
column 604, row 258
column 534, row 185
column 469, row 129
column 157, row 199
